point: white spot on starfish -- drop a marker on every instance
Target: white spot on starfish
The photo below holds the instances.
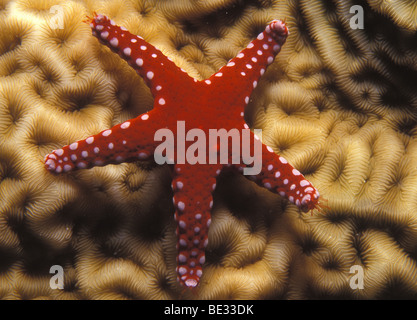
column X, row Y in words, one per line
column 139, row 62
column 182, row 258
column 125, row 125
column 81, row 165
column 181, row 205
column 296, row 172
column 114, row 42
column 142, row 155
column 127, row 52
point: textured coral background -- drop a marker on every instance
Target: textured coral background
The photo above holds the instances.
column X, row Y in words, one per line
column 339, row 103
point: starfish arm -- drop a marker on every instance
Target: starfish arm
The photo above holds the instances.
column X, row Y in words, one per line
column 130, row 141
column 279, row 176
column 241, row 74
column 192, row 187
column 158, row 71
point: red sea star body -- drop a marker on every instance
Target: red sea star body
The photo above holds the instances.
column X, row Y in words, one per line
column 217, row 102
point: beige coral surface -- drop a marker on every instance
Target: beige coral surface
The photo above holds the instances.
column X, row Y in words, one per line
column 339, row 103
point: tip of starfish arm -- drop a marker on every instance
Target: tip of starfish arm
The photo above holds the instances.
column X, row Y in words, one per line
column 50, row 164
column 188, row 277
column 191, row 283
column 278, row 29
column 96, row 18
column 89, row 19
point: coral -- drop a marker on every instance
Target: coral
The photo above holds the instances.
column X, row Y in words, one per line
column 338, row 103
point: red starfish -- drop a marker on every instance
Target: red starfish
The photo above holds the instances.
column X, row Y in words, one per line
column 217, row 102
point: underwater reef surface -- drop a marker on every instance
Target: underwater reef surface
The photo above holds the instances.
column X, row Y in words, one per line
column 339, row 102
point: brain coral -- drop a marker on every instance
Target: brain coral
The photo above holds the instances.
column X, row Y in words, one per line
column 339, row 103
